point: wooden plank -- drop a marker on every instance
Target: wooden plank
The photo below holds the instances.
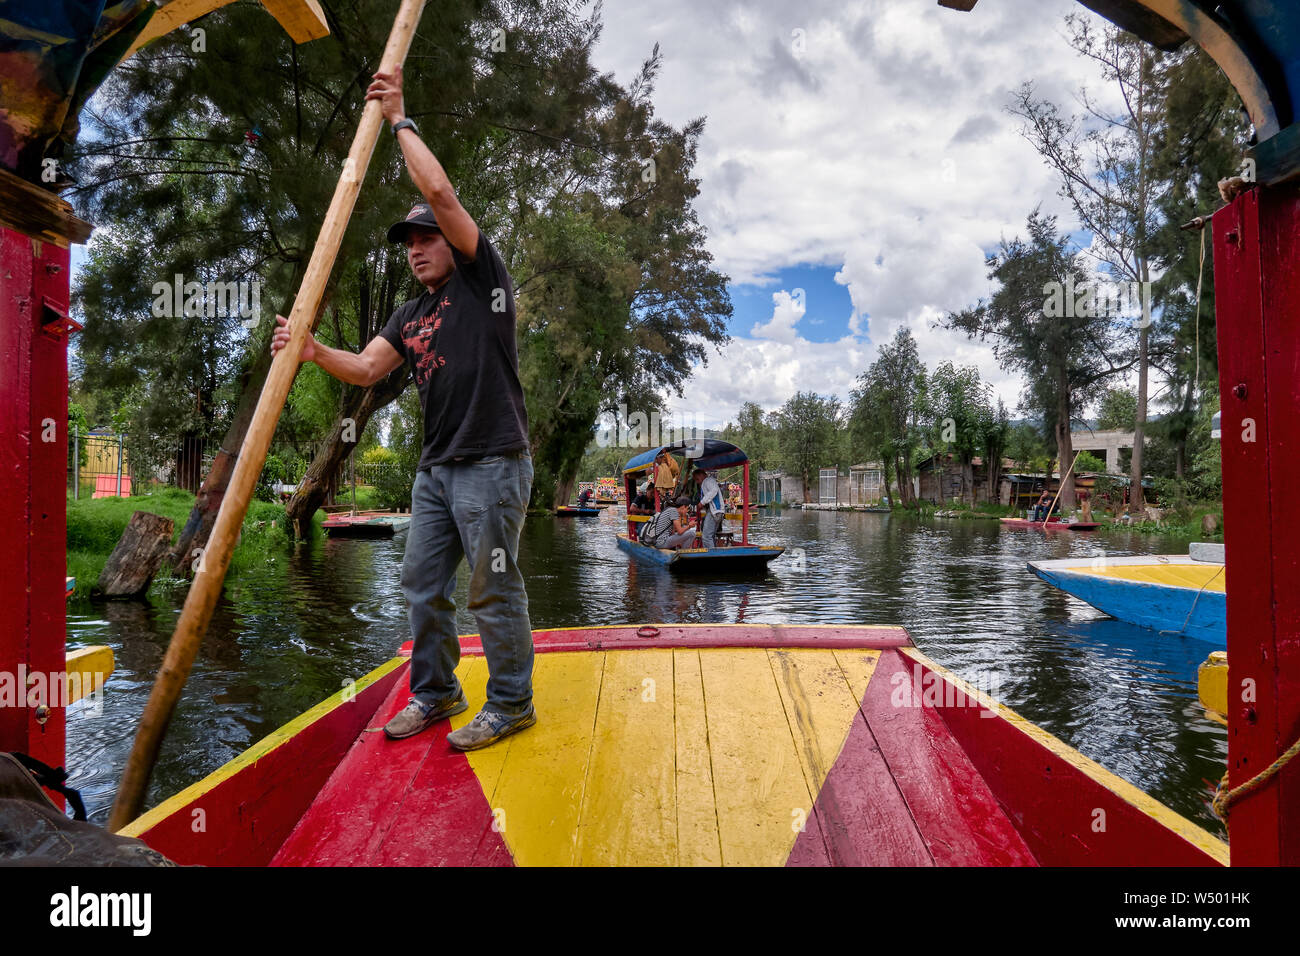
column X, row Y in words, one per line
column 40, row 214
column 347, row 820
column 714, row 635
column 542, row 772
column 955, row 811
column 862, row 817
column 758, row 780
column 820, row 708
column 629, row 807
column 303, row 20
column 444, row 818
column 697, row 811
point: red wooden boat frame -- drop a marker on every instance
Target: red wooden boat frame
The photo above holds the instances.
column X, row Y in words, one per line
column 1256, row 240
column 948, row 778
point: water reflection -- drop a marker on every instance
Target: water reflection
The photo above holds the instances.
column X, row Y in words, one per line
column 292, row 634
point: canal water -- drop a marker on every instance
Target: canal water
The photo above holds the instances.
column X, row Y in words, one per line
column 331, row 610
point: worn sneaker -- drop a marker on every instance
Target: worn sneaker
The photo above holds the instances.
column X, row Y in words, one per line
column 416, row 716
column 488, row 727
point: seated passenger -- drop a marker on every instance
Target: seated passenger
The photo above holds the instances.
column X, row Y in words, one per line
column 644, row 502
column 672, row 528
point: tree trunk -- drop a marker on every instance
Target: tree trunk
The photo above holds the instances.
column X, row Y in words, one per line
column 1180, row 446
column 194, row 535
column 359, row 404
column 564, row 490
column 138, row 556
column 1137, row 501
column 968, row 481
column 1064, row 447
column 993, row 468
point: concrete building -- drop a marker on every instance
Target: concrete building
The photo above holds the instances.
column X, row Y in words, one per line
column 1104, row 444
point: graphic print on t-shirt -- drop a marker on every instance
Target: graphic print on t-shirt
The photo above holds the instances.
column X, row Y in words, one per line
column 419, row 336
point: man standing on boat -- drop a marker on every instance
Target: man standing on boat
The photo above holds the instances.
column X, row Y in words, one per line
column 475, row 473
column 711, row 505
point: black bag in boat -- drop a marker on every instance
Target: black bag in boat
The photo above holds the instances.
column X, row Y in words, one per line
column 34, row 832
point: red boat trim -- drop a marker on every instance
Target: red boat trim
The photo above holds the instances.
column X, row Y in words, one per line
column 704, row 635
column 1087, row 815
column 240, row 814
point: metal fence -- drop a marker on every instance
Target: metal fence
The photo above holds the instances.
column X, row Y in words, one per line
column 107, row 464
column 99, row 465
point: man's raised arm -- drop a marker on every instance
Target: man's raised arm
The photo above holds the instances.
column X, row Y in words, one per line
column 426, row 172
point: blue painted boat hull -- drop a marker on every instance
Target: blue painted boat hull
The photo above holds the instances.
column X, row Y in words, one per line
column 1157, row 606
column 736, row 558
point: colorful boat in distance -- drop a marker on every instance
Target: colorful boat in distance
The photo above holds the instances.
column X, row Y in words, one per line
column 764, row 745
column 366, row 524
column 577, row 511
column 1177, row 595
column 730, row 555
column 1056, row 524
column 69, row 585
column 608, row 491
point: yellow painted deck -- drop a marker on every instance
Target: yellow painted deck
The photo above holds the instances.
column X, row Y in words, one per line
column 668, row 757
column 1209, row 577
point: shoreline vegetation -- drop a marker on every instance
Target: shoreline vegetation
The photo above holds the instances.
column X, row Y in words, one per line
column 96, row 524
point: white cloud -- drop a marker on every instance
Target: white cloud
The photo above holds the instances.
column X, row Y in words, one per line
column 876, row 142
column 789, row 308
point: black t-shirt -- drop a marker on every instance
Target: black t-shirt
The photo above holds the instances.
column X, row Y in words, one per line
column 462, row 351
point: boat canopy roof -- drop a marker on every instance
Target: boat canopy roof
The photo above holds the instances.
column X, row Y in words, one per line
column 707, row 453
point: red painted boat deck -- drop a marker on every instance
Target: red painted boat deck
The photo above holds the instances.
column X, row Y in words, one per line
column 664, row 750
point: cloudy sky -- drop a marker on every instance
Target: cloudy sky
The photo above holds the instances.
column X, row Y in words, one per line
column 856, row 165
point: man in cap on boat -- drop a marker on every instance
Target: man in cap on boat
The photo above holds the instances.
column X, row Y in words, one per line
column 475, row 473
column 712, row 506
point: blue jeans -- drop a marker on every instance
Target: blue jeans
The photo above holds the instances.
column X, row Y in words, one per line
column 712, row 523
column 472, row 510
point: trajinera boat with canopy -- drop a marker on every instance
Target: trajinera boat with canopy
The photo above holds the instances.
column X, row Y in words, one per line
column 717, row 457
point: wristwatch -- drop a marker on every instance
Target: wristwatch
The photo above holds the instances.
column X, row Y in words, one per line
column 405, row 124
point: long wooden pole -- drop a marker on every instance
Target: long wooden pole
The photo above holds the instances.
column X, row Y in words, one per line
column 215, row 558
column 1059, row 487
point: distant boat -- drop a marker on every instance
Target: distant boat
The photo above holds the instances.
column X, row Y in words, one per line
column 1056, row 524
column 367, row 524
column 1178, row 594
column 571, row 511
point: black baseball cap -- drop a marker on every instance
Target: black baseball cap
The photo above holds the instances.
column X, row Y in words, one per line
column 420, row 215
